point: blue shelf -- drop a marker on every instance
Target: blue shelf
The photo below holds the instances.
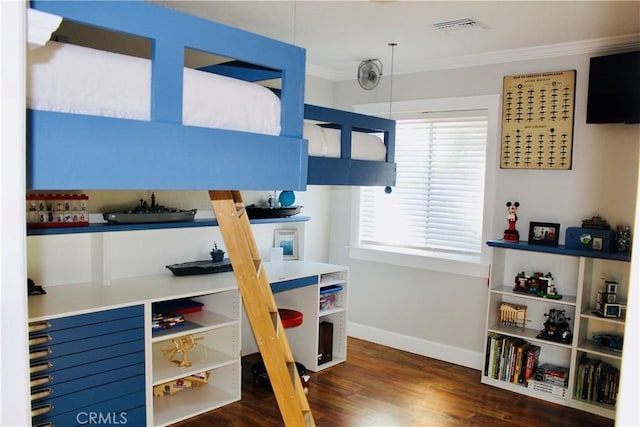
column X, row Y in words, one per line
column 559, row 250
column 105, row 227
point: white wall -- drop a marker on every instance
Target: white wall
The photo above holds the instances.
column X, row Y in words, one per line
column 443, row 315
column 14, row 400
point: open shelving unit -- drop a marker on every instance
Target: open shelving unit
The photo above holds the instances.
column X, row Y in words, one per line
column 578, row 277
column 216, row 333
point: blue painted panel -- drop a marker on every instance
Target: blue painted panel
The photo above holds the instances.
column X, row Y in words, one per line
column 95, row 367
column 242, row 71
column 344, row 171
column 105, row 228
column 166, row 81
column 293, row 284
column 70, row 151
column 96, row 317
column 328, row 171
column 348, row 121
column 559, row 250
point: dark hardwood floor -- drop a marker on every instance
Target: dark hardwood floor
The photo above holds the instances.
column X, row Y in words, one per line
column 380, row 386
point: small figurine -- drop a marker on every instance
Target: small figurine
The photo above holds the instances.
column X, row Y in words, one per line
column 610, row 341
column 511, row 234
column 513, row 315
column 556, row 327
column 172, row 387
column 217, row 255
column 606, row 305
column 540, row 284
column 182, row 345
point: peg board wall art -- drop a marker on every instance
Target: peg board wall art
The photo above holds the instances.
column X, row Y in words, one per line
column 537, row 121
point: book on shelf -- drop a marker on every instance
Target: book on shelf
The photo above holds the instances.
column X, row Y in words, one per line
column 553, row 374
column 510, row 359
column 533, row 355
column 597, row 381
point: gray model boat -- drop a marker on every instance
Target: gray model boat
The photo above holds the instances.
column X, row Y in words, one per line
column 143, row 213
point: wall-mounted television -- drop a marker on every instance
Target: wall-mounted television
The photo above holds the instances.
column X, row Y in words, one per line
column 614, row 89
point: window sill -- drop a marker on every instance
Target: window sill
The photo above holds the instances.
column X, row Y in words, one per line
column 454, row 264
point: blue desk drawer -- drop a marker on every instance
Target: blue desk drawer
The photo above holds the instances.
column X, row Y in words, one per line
column 95, row 317
column 70, row 373
column 58, row 349
column 286, row 285
column 97, row 397
column 97, row 331
column 66, row 384
column 76, row 360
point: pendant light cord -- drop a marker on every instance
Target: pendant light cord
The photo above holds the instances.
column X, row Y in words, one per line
column 293, row 23
column 393, row 45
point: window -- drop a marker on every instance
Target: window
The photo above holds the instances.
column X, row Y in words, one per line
column 437, row 209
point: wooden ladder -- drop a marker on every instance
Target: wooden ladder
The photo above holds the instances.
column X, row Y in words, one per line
column 261, row 308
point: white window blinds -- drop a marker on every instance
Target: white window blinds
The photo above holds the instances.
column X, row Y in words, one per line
column 437, row 203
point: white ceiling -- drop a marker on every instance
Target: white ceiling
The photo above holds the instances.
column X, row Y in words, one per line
column 338, row 35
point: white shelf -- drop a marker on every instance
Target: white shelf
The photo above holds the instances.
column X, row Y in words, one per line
column 527, row 334
column 589, row 314
column 595, row 350
column 330, row 311
column 597, row 408
column 524, row 390
column 202, row 358
column 331, row 281
column 194, row 322
column 565, row 300
column 190, row 402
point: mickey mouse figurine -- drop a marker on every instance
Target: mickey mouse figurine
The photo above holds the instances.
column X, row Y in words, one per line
column 511, row 234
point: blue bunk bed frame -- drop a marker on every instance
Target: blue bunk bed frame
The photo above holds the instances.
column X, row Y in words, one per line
column 345, row 170
column 72, row 151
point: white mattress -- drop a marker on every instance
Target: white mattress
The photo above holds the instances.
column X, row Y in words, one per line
column 325, row 142
column 73, row 79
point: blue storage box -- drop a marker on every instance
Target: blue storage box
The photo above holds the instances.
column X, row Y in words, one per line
column 588, row 239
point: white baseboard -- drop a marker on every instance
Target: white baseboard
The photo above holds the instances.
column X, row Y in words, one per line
column 447, row 353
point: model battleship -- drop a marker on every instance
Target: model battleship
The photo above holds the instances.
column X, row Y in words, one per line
column 217, row 264
column 145, row 213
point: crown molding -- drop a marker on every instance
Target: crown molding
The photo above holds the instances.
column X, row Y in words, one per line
column 594, row 46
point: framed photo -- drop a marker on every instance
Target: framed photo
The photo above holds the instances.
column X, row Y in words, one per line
column 544, row 233
column 288, row 241
column 597, row 244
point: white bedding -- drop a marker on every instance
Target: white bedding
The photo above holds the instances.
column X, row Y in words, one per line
column 325, row 142
column 73, row 79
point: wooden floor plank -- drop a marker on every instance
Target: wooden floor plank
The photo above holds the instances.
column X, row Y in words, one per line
column 380, row 386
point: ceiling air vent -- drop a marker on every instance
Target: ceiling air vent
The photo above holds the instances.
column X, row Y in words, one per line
column 459, row 25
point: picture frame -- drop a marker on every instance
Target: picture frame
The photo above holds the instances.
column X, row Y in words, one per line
column 544, row 233
column 288, row 241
